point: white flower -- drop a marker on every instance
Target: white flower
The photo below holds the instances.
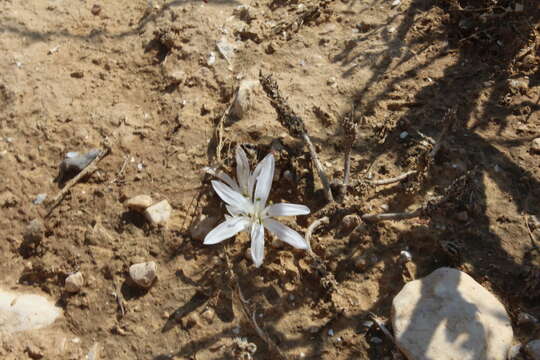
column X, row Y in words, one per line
column 248, row 208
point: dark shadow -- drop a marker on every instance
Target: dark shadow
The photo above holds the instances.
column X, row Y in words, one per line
column 197, row 300
column 132, row 291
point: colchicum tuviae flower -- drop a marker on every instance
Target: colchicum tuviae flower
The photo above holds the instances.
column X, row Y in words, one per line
column 246, row 204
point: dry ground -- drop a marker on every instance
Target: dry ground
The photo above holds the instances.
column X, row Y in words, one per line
column 77, row 73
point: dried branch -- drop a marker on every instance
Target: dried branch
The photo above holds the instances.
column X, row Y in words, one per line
column 295, row 125
column 250, row 316
column 391, row 180
column 314, row 225
column 88, row 169
column 309, row 13
column 392, row 216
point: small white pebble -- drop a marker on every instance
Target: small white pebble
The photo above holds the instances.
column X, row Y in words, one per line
column 140, row 166
column 376, row 340
column 385, row 207
column 331, row 332
column 405, row 256
column 236, row 330
column 403, row 135
column 396, row 2
column 367, row 324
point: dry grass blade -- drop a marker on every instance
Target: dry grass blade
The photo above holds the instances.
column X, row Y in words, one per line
column 296, row 127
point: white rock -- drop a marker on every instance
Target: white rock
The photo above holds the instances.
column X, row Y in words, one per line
column 74, row 282
column 447, row 316
column 535, row 146
column 533, row 349
column 514, row 352
column 20, row 312
column 143, row 274
column 139, row 203
column 159, row 212
column 203, row 227
column 242, row 100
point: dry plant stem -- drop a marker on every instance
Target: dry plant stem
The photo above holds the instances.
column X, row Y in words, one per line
column 449, row 119
column 88, row 169
column 220, row 125
column 381, row 326
column 318, row 166
column 392, row 180
column 295, row 125
column 237, row 291
column 392, row 216
column 314, row 225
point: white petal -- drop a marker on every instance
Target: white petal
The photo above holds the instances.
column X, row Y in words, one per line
column 222, row 176
column 232, row 197
column 264, row 181
column 242, row 168
column 226, row 229
column 285, row 233
column 257, row 244
column 233, row 210
column 286, row 210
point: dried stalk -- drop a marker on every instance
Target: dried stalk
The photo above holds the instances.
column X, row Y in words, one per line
column 391, row 180
column 296, row 127
column 392, row 216
column 219, row 128
column 314, row 225
column 88, row 169
column 241, row 300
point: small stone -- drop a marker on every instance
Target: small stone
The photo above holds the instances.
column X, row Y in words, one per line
column 524, row 318
column 143, row 274
column 159, row 212
column 403, row 135
column 535, row 146
column 431, row 315
column 368, row 324
column 518, row 85
column 533, row 349
column 331, row 332
column 139, row 203
column 236, row 330
column 34, row 232
column 203, row 227
column 405, row 256
column 396, row 3
column 208, row 315
column 349, row 222
column 376, row 340
column 514, row 352
column 40, row 198
column 385, row 207
column 74, row 282
column 242, row 100
column 75, row 162
column 77, row 74
column 211, row 58
column 96, row 9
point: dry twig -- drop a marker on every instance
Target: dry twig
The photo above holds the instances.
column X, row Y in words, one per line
column 88, row 169
column 296, row 127
column 391, row 180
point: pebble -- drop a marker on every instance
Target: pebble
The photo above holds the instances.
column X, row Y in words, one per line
column 21, row 312
column 159, row 212
column 533, row 349
column 405, row 256
column 396, row 3
column 331, row 332
column 403, row 135
column 226, row 49
column 349, row 222
column 236, row 330
column 242, row 100
column 74, row 282
column 40, row 198
column 535, row 145
column 430, row 315
column 76, row 162
column 211, row 59
column 139, row 203
column 208, row 315
column 143, row 274
column 376, row 340
column 34, row 231
column 203, row 227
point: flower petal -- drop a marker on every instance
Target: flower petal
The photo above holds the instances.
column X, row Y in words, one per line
column 233, row 210
column 285, row 233
column 232, row 197
column 222, row 176
column 286, row 210
column 226, row 229
column 264, row 181
column 257, row 244
column 242, row 169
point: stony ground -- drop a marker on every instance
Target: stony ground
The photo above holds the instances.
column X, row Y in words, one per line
column 152, row 83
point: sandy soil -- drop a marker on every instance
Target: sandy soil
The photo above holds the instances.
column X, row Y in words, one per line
column 75, row 74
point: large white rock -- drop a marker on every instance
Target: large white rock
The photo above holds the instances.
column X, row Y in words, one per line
column 449, row 316
column 143, row 274
column 20, row 312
